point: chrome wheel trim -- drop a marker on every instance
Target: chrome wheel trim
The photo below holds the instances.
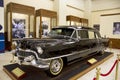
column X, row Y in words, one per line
column 56, row 66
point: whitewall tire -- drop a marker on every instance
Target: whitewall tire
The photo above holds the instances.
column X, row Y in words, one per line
column 56, row 66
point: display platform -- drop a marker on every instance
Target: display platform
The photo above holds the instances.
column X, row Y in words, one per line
column 70, row 72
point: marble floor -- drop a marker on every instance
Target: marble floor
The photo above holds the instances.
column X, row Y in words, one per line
column 6, row 57
column 105, row 67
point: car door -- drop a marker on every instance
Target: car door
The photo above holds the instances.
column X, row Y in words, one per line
column 93, row 41
column 99, row 42
column 81, row 45
column 83, row 42
column 88, row 43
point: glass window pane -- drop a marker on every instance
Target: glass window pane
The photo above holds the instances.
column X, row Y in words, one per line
column 91, row 35
column 83, row 33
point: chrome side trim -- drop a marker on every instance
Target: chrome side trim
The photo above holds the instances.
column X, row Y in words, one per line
column 47, row 59
column 73, row 53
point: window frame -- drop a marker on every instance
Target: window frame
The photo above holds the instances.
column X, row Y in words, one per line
column 95, row 34
column 74, row 33
column 79, row 37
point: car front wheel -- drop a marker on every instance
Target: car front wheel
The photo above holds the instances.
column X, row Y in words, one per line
column 56, row 66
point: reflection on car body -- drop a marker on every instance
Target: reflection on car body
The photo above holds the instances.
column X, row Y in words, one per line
column 64, row 44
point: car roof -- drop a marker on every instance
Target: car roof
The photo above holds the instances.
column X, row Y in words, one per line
column 76, row 27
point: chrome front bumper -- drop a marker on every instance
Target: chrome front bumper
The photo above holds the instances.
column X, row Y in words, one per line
column 33, row 60
column 34, row 63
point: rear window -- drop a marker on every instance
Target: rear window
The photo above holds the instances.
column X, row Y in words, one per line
column 83, row 33
column 91, row 34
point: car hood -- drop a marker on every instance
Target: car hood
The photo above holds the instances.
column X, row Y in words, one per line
column 46, row 44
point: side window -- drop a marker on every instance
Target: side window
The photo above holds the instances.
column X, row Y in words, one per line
column 83, row 34
column 91, row 35
column 74, row 35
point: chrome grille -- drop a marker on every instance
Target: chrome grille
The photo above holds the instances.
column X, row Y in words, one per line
column 24, row 54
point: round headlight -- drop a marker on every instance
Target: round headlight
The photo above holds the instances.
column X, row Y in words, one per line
column 39, row 49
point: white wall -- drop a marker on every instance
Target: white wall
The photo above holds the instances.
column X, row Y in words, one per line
column 75, row 12
column 104, row 7
column 60, row 8
column 96, row 14
column 106, row 23
column 75, row 7
column 68, row 7
column 76, row 3
column 100, row 7
column 105, row 4
column 88, row 9
column 45, row 4
column 2, row 18
column 79, row 8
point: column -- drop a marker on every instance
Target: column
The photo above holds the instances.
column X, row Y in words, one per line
column 60, row 8
column 88, row 9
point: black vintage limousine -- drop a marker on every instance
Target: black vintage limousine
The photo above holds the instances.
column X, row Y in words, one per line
column 63, row 45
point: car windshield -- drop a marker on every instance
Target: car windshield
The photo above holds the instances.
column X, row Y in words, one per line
column 61, row 32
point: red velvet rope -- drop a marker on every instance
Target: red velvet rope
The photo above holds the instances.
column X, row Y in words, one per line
column 94, row 78
column 110, row 69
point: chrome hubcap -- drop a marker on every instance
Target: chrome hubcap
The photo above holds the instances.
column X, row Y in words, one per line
column 55, row 66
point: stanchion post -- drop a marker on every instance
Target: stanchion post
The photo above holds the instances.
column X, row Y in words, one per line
column 117, row 65
column 98, row 73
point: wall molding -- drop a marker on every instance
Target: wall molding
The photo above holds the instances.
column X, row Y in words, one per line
column 105, row 9
column 110, row 14
column 75, row 8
